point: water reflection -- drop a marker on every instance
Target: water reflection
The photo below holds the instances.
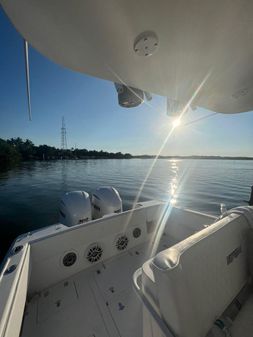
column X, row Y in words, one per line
column 174, row 181
column 172, row 199
column 63, row 172
column 30, row 193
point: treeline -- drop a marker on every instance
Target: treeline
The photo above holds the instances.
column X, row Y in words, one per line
column 16, row 149
column 146, row 156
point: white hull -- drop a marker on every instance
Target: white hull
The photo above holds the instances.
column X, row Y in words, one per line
column 88, row 299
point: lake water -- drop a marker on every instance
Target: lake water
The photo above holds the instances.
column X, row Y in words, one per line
column 30, row 193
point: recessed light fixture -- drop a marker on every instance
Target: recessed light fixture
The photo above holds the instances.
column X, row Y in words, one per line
column 146, row 44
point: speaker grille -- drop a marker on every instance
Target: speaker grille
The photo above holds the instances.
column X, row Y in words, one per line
column 94, row 253
column 69, row 259
column 122, row 242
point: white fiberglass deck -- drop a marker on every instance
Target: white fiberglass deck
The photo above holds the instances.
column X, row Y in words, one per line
column 97, row 302
column 52, row 298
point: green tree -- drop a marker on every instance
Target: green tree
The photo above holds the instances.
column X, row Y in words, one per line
column 8, row 153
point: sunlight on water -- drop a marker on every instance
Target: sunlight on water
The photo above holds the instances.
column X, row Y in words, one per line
column 30, row 194
column 174, row 182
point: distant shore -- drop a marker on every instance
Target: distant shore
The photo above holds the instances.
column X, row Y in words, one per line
column 16, row 150
column 193, row 157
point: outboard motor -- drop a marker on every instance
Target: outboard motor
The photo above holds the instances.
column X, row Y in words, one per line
column 105, row 200
column 75, row 208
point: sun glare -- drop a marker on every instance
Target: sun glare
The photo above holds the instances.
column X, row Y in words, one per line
column 176, row 122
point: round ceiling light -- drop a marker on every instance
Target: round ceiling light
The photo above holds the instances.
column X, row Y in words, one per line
column 146, row 44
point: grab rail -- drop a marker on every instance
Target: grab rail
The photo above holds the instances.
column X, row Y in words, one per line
column 158, row 319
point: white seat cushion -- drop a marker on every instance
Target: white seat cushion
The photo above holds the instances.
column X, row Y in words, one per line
column 198, row 278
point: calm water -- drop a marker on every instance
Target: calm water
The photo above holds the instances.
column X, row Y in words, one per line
column 29, row 194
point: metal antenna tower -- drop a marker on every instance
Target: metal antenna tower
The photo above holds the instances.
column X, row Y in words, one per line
column 63, row 136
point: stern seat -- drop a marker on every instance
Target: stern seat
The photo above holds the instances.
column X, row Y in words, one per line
column 191, row 284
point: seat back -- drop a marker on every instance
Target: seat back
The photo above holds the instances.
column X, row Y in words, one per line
column 196, row 279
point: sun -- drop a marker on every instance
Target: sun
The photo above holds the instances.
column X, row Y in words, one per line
column 176, row 122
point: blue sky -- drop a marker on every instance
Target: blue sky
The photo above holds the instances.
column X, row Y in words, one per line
column 93, row 118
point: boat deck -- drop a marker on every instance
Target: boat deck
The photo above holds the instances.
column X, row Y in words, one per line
column 243, row 326
column 97, row 302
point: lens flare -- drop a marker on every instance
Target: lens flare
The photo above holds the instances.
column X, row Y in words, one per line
column 173, row 201
column 176, row 122
column 164, row 143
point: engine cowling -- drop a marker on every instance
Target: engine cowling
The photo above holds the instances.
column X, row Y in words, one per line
column 75, row 208
column 105, row 200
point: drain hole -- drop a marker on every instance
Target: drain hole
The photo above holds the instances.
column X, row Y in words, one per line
column 17, row 249
column 10, row 269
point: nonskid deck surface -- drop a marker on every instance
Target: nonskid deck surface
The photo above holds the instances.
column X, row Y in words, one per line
column 243, row 325
column 97, row 302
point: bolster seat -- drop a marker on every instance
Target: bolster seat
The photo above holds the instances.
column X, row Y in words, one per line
column 193, row 282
